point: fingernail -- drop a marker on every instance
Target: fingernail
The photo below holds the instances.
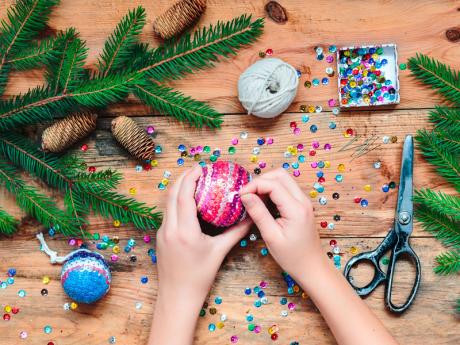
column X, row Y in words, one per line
column 246, row 199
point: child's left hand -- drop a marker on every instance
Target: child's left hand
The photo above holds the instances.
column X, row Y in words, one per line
column 188, row 260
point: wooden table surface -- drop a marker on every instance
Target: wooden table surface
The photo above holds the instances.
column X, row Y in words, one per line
column 414, row 25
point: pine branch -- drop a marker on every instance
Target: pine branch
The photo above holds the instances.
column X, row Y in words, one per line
column 173, row 103
column 448, row 262
column 443, row 228
column 117, row 49
column 37, row 54
column 111, row 204
column 174, row 59
column 438, row 75
column 442, row 203
column 34, row 203
column 26, row 19
column 8, row 223
column 438, row 154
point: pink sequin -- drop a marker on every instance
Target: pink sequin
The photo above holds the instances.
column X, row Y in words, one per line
column 297, row 131
column 257, row 329
column 332, row 102
column 327, row 147
column 235, row 141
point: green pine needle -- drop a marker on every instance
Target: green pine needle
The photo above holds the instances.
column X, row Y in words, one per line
column 38, row 54
column 173, row 103
column 117, row 50
column 31, row 201
column 443, row 228
column 122, row 208
column 65, row 65
column 448, row 262
column 8, row 223
column 190, row 53
column 438, row 75
column 442, row 203
column 437, row 153
column 445, row 118
column 25, row 20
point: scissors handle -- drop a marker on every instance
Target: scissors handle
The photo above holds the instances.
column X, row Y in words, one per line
column 399, row 250
column 374, row 257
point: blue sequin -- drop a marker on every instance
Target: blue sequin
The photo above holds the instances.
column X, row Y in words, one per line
column 218, row 300
column 305, row 118
column 180, row 162
column 302, row 159
column 257, row 303
column 332, row 125
column 364, row 203
column 181, row 148
column 283, row 301
column 285, row 165
column 243, row 243
column 339, row 178
column 313, row 128
column 247, row 291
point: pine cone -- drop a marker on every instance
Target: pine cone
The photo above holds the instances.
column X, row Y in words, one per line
column 133, row 138
column 178, row 17
column 66, row 132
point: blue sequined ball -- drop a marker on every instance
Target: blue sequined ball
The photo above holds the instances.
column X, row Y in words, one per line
column 86, row 276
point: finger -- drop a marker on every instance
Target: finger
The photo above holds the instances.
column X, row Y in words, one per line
column 284, row 201
column 233, row 235
column 288, row 182
column 186, row 204
column 171, row 204
column 260, row 216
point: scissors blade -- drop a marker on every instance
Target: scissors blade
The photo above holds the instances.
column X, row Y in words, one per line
column 404, row 208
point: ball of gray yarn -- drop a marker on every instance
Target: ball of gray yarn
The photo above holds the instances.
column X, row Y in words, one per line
column 268, row 87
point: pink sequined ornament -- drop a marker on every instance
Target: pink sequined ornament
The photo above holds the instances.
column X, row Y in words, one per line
column 262, row 165
column 199, row 149
column 150, row 129
column 314, row 165
column 114, row 257
column 234, row 339
column 329, row 59
column 300, row 147
column 72, row 242
column 216, row 195
column 327, row 147
column 269, row 141
column 297, row 131
column 234, row 141
column 147, row 239
column 257, row 329
column 291, row 306
column 332, row 102
column 263, row 284
column 296, row 173
column 315, row 144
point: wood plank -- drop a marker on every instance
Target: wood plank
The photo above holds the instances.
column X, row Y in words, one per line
column 356, row 220
column 322, row 23
column 430, row 320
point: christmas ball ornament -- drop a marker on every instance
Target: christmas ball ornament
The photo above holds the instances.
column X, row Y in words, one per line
column 85, row 275
column 216, row 195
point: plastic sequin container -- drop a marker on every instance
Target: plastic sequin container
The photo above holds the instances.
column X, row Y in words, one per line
column 368, row 75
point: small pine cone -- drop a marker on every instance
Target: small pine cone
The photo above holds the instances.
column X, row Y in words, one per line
column 178, row 17
column 66, row 132
column 133, row 138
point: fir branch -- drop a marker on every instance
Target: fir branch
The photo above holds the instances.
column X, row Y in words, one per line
column 438, row 154
column 174, row 59
column 34, row 203
column 51, row 168
column 448, row 262
column 117, row 49
column 443, row 228
column 26, row 19
column 438, row 75
column 65, row 65
column 173, row 103
column 111, row 204
column 445, row 118
column 444, row 204
column 8, row 223
column 37, row 54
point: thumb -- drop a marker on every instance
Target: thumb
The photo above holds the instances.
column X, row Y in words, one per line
column 260, row 215
column 234, row 234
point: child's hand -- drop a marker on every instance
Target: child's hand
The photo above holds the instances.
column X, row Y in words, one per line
column 291, row 239
column 188, row 260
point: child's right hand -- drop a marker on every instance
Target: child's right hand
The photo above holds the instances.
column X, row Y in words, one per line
column 291, row 239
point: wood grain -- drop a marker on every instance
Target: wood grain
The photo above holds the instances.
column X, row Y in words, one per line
column 416, row 26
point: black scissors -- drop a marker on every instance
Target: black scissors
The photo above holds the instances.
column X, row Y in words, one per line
column 397, row 240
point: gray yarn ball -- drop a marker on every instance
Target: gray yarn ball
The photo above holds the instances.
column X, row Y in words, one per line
column 268, row 87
